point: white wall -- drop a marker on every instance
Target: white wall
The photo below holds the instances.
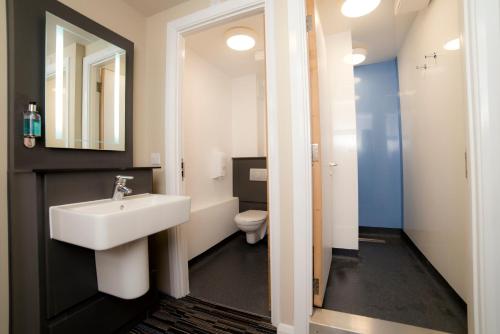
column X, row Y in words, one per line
column 245, row 121
column 156, row 38
column 261, row 118
column 338, row 127
column 4, row 265
column 206, row 118
column 433, row 109
column 220, row 114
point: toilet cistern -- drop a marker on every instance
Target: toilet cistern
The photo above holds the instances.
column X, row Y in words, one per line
column 120, row 188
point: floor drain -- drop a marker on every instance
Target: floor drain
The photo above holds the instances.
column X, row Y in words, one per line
column 375, row 241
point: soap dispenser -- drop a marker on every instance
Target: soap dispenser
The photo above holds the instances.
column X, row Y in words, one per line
column 32, row 125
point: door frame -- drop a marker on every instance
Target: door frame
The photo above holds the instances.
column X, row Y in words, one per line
column 302, row 165
column 219, row 13
column 482, row 51
column 88, row 62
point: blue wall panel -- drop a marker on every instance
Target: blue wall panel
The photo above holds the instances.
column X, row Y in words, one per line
column 379, row 145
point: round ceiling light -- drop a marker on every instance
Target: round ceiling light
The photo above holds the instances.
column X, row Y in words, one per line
column 357, row 56
column 240, row 39
column 357, row 8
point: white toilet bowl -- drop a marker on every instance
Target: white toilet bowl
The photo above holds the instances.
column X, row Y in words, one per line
column 253, row 223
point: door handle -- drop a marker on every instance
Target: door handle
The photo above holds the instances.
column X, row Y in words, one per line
column 333, row 164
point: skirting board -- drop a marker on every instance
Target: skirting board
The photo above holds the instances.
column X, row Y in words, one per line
column 380, row 230
column 433, row 271
column 213, row 249
column 345, row 252
column 285, row 329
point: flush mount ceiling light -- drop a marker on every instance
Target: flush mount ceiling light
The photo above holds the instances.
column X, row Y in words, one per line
column 357, row 56
column 357, row 8
column 452, row 45
column 240, row 39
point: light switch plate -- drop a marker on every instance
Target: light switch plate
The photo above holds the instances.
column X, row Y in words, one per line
column 258, row 174
column 155, row 159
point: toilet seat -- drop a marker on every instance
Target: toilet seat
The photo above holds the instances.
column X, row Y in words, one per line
column 250, row 217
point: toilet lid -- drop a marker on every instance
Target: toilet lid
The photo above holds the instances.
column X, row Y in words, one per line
column 251, row 216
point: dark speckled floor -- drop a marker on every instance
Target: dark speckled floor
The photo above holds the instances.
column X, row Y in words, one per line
column 235, row 275
column 388, row 281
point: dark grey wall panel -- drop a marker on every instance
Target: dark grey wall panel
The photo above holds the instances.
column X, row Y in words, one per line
column 26, row 66
column 104, row 315
column 244, row 206
column 252, row 194
column 24, row 244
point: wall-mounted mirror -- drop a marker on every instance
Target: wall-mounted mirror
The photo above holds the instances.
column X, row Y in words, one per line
column 85, row 80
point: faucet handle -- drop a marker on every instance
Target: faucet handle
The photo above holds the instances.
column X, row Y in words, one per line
column 123, row 178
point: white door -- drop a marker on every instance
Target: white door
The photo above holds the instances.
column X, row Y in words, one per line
column 322, row 230
column 338, row 128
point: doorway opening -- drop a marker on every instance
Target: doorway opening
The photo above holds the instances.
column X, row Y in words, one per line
column 224, row 164
column 391, row 98
column 176, row 283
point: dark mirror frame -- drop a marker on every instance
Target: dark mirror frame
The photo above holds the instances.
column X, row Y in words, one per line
column 26, row 58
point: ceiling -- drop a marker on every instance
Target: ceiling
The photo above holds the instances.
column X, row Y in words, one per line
column 151, row 7
column 380, row 32
column 211, row 45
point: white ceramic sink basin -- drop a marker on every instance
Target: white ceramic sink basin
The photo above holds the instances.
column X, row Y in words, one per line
column 104, row 224
column 117, row 231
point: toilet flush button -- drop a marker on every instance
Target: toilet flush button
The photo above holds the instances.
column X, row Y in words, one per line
column 258, row 174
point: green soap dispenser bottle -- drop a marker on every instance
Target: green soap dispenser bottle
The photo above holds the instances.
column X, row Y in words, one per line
column 32, row 125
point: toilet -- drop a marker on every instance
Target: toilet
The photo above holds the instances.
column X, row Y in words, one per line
column 253, row 223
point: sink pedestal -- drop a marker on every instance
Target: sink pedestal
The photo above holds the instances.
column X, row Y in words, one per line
column 123, row 271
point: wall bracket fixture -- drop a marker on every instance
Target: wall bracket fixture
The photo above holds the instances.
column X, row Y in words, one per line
column 432, row 55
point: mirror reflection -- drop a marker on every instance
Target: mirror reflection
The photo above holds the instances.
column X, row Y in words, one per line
column 84, row 89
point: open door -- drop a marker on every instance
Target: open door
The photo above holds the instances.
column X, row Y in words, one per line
column 320, row 266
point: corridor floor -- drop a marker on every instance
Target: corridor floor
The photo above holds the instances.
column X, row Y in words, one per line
column 390, row 281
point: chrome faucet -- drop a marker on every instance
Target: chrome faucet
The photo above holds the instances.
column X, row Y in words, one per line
column 120, row 188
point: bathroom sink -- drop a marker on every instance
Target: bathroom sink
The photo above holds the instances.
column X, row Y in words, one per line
column 104, row 224
column 117, row 231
